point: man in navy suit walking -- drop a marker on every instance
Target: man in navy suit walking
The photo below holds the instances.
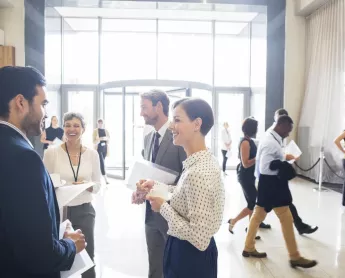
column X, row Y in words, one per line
column 29, row 213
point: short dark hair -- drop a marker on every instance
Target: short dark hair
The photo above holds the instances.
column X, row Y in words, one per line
column 250, row 126
column 281, row 112
column 197, row 108
column 15, row 81
column 285, row 119
column 156, row 96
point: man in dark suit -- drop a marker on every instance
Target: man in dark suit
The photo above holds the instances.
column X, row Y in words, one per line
column 159, row 149
column 29, row 214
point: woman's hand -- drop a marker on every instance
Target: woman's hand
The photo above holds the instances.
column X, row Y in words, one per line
column 156, row 203
column 145, row 185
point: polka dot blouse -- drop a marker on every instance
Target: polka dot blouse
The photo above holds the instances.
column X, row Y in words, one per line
column 196, row 207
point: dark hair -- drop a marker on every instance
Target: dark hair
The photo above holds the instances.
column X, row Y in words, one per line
column 250, row 126
column 197, row 108
column 15, row 81
column 281, row 112
column 100, row 121
column 51, row 120
column 156, row 96
column 285, row 119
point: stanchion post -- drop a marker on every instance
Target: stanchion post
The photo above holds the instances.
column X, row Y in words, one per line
column 322, row 158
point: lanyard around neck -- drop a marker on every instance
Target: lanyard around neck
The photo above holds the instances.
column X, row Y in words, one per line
column 75, row 175
column 280, row 143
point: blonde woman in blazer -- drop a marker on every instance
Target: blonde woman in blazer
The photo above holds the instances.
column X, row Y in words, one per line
column 101, row 142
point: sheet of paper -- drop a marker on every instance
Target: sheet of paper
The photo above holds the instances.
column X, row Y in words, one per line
column 65, row 194
column 293, row 149
column 146, row 170
column 160, row 190
column 82, row 261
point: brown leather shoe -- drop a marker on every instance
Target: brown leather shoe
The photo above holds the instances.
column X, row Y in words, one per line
column 303, row 262
column 254, row 254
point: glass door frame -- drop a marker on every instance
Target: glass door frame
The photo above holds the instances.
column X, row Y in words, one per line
column 246, row 92
column 76, row 87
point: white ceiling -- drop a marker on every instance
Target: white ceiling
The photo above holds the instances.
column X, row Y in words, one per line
column 156, row 14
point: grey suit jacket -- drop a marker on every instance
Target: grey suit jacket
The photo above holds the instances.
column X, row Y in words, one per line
column 169, row 156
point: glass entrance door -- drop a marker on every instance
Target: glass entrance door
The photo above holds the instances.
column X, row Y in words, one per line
column 121, row 109
column 232, row 108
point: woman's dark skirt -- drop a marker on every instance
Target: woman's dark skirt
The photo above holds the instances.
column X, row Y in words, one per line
column 183, row 260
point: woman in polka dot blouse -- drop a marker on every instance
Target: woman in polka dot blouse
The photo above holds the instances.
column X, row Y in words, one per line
column 195, row 211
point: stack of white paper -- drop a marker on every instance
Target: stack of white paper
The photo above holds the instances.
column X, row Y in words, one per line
column 144, row 170
column 65, row 194
column 293, row 149
column 57, row 182
column 82, row 261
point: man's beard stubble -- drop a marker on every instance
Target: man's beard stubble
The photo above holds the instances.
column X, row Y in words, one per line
column 32, row 124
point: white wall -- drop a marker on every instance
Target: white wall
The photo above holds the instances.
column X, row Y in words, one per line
column 295, row 47
column 12, row 22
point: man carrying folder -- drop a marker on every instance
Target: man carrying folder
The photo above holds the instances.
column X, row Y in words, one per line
column 29, row 214
column 159, row 149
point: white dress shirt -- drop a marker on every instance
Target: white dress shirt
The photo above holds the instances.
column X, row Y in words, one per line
column 270, row 148
column 18, row 130
column 195, row 212
column 57, row 162
column 226, row 139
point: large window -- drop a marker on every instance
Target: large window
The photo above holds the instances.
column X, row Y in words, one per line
column 232, row 54
column 128, row 49
column 80, row 51
column 185, row 51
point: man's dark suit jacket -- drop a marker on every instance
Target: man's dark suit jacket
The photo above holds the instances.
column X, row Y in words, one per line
column 29, row 214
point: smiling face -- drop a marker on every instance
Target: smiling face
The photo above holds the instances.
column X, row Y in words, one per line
column 73, row 129
column 184, row 130
column 149, row 112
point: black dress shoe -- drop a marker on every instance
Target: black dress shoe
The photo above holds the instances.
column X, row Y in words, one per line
column 307, row 229
column 264, row 226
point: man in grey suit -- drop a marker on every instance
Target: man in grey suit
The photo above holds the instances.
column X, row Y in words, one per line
column 159, row 149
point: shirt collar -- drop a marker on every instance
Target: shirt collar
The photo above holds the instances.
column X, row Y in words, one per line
column 18, row 130
column 163, row 129
column 192, row 159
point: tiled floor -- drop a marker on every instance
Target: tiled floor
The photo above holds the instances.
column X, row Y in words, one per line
column 121, row 246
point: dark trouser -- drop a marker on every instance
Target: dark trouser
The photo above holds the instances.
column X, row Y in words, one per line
column 183, row 260
column 156, row 237
column 344, row 185
column 102, row 151
column 225, row 159
column 296, row 219
column 83, row 217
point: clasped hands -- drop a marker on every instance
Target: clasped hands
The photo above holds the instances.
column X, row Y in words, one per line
column 76, row 236
column 140, row 195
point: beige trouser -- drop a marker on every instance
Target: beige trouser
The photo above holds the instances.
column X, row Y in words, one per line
column 286, row 221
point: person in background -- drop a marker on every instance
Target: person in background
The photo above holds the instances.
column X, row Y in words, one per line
column 337, row 142
column 301, row 227
column 196, row 207
column 101, row 142
column 29, row 212
column 226, row 144
column 77, row 164
column 159, row 149
column 274, row 172
column 245, row 172
column 51, row 133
